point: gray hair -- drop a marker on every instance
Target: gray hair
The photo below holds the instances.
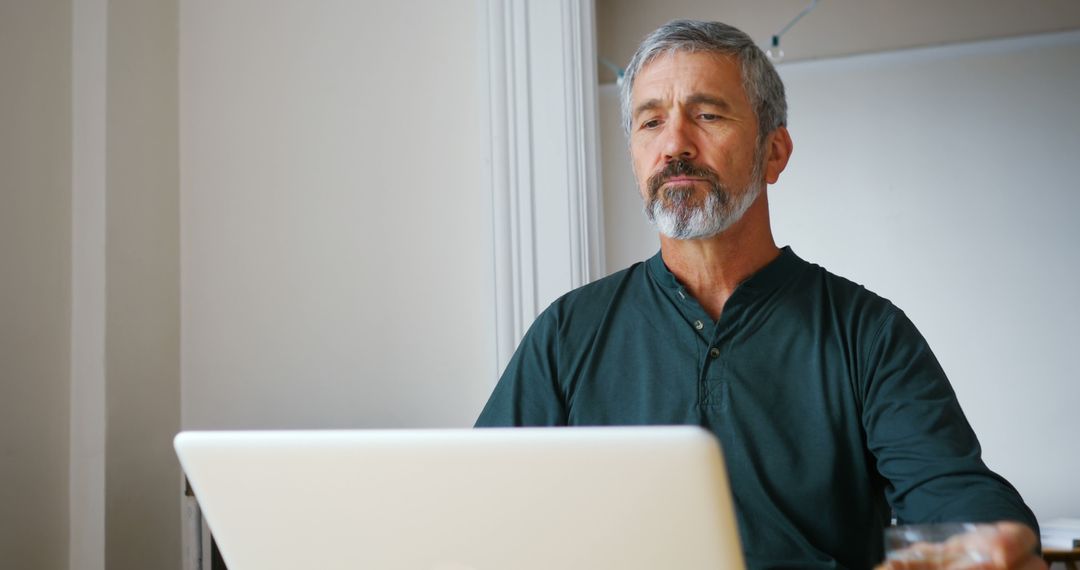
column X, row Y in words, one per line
column 760, row 81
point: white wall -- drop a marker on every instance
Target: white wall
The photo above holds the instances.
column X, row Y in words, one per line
column 628, row 236
column 336, row 230
column 943, row 179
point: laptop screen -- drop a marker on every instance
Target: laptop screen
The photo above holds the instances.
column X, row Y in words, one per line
column 605, row 497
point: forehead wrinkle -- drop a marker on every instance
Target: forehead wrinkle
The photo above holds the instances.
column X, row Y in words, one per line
column 648, row 105
column 689, row 69
column 707, row 99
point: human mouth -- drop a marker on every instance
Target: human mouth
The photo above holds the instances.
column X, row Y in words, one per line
column 682, row 180
column 683, row 175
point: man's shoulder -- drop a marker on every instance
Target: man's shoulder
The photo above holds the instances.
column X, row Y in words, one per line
column 844, row 296
column 597, row 296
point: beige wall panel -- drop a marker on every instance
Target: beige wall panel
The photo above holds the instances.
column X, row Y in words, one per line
column 35, row 281
column 142, row 250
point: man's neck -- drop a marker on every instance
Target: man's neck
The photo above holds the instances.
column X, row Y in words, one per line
column 712, row 268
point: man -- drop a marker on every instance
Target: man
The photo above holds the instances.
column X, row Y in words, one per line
column 831, row 409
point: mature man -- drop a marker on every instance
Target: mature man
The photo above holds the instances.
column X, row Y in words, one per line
column 832, row 411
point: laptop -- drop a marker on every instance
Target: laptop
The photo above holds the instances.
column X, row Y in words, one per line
column 469, row 499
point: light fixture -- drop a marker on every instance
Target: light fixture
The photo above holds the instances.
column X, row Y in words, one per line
column 618, row 71
column 774, row 52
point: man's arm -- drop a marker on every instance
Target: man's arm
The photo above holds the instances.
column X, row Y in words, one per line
column 528, row 393
column 928, row 453
column 922, row 443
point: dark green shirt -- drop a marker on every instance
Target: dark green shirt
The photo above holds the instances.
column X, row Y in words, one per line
column 830, row 407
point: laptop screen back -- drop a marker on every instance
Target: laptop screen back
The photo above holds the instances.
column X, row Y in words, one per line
column 627, row 498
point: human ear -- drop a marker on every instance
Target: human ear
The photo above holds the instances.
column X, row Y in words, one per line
column 778, row 150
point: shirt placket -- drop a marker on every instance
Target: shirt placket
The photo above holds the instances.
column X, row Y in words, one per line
column 709, row 351
column 713, row 367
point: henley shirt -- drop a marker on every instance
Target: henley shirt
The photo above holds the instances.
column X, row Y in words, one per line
column 831, row 409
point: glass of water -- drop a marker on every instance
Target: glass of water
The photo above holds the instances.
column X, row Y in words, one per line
column 942, row 545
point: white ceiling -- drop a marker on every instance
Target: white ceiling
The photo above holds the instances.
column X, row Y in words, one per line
column 836, row 27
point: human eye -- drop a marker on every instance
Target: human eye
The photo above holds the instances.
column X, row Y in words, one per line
column 709, row 117
column 650, row 124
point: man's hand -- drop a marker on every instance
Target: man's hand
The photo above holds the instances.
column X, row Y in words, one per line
column 1010, row 547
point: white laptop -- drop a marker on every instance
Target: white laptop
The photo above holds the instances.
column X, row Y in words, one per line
column 479, row 499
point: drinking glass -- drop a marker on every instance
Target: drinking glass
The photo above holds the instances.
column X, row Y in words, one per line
column 952, row 546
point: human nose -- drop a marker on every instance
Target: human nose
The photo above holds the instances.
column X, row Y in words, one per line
column 677, row 142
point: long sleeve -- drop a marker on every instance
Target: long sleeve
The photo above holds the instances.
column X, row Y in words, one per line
column 528, row 392
column 923, row 445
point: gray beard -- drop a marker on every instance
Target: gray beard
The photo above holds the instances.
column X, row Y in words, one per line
column 677, row 219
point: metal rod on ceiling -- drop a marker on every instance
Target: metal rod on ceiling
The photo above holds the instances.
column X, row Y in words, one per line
column 774, row 52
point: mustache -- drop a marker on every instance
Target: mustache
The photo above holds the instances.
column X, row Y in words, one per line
column 680, row 167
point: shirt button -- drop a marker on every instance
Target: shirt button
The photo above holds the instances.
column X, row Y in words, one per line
column 699, row 325
column 714, row 352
